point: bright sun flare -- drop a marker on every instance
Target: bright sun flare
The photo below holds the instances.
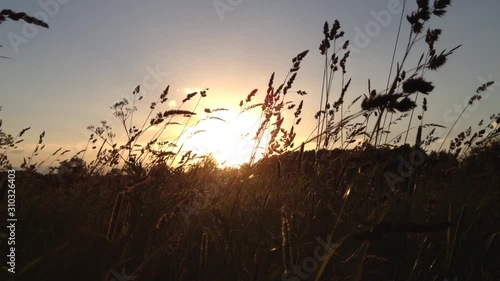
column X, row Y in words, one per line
column 230, row 143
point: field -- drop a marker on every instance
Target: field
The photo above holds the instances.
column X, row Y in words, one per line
column 353, row 201
column 253, row 223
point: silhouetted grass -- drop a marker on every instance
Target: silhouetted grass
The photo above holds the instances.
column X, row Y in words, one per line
column 355, row 208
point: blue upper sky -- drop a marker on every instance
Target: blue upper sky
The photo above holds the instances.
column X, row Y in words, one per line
column 65, row 78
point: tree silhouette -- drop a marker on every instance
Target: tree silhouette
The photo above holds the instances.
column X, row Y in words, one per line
column 72, row 169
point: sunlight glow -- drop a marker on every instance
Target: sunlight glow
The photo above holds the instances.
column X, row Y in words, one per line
column 230, row 143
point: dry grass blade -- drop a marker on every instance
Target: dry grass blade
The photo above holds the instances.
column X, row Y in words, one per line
column 454, row 242
column 330, row 251
column 9, row 14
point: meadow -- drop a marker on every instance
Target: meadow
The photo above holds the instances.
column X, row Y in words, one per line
column 353, row 201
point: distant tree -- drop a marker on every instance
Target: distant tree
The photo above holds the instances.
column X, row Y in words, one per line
column 6, row 141
column 72, row 169
column 116, row 172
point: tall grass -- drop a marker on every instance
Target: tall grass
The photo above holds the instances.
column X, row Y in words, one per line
column 145, row 206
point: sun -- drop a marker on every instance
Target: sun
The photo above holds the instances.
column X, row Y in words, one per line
column 230, row 142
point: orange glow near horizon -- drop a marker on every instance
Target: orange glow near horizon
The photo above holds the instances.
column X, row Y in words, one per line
column 230, row 143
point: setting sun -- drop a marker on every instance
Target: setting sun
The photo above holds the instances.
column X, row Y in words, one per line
column 230, row 142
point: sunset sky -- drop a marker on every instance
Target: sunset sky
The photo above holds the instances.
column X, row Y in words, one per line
column 65, row 78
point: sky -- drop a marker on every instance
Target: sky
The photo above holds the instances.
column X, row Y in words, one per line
column 62, row 79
